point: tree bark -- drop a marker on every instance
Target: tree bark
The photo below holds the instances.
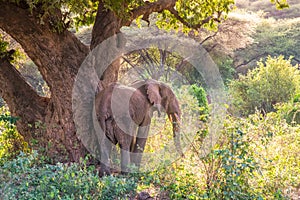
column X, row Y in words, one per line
column 30, row 108
column 106, row 25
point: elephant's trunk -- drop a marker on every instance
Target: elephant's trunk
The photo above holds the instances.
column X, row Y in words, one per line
column 175, row 119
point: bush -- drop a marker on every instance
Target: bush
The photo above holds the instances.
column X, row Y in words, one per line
column 272, row 82
column 277, row 155
column 29, row 177
column 290, row 111
column 201, row 96
column 112, row 187
column 11, row 142
column 255, row 158
column 230, row 165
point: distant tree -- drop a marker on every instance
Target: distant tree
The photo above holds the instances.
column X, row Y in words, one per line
column 222, row 44
column 272, row 37
column 269, row 10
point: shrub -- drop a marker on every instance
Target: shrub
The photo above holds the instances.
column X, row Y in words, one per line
column 290, row 112
column 278, row 156
column 272, row 82
column 29, row 177
column 201, row 96
column 11, row 142
column 229, row 167
column 112, row 187
column 254, row 158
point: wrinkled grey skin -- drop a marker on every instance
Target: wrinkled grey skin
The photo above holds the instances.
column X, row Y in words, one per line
column 127, row 123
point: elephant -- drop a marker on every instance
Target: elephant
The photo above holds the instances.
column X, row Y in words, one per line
column 124, row 114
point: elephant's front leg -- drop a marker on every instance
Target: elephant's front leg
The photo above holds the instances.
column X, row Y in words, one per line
column 139, row 146
column 125, row 161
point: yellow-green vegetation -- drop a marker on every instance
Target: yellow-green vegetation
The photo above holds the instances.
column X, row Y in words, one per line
column 11, row 142
column 274, row 81
column 255, row 158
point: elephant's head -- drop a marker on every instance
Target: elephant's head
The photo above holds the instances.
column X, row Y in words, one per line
column 163, row 98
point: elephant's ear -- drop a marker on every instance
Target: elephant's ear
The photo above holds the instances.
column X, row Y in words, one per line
column 153, row 93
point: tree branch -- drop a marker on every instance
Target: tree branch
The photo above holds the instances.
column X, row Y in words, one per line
column 21, row 98
column 148, row 8
column 250, row 60
column 194, row 26
column 209, row 37
column 46, row 48
column 161, row 5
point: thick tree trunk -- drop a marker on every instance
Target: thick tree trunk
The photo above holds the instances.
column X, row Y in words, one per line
column 106, row 25
column 58, row 57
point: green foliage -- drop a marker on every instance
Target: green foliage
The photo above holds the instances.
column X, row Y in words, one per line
column 74, row 12
column 117, row 188
column 290, row 111
column 4, row 48
column 123, row 7
column 226, row 69
column 276, row 145
column 233, row 164
column 3, row 45
column 201, row 96
column 11, row 142
column 83, row 12
column 270, row 83
column 255, row 158
column 193, row 12
column 29, row 177
column 180, row 183
column 280, row 4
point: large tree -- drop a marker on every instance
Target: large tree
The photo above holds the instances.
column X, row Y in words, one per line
column 43, row 29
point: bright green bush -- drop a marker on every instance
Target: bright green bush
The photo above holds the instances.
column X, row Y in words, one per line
column 11, row 142
column 230, row 166
column 290, row 111
column 272, row 82
column 201, row 96
column 254, row 158
column 277, row 155
column 29, row 177
column 112, row 187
